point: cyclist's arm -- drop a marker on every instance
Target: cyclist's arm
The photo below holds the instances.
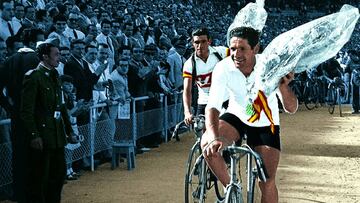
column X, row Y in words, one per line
column 288, row 98
column 212, row 122
column 187, row 95
column 217, row 95
column 212, row 132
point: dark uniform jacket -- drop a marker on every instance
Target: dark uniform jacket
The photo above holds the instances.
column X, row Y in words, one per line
column 43, row 111
column 11, row 77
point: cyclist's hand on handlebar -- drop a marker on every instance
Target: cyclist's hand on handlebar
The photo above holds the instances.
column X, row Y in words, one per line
column 188, row 118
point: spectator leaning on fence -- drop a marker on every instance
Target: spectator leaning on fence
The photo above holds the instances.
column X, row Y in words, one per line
column 84, row 79
column 176, row 60
column 119, row 80
column 73, row 107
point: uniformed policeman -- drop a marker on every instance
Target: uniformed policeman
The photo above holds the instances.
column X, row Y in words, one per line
column 47, row 125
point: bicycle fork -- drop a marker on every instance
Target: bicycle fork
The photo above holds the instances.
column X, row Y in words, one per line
column 233, row 178
column 251, row 178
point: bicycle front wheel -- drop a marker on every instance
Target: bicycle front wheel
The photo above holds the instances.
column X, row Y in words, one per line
column 194, row 182
column 233, row 195
column 309, row 98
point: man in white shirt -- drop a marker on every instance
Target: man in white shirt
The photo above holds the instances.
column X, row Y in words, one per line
column 19, row 12
column 176, row 61
column 104, row 38
column 71, row 31
column 101, row 60
column 6, row 25
column 233, row 78
column 204, row 59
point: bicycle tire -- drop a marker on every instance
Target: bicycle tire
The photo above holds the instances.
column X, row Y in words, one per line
column 193, row 179
column 339, row 100
column 332, row 100
column 219, row 190
column 233, row 195
column 308, row 98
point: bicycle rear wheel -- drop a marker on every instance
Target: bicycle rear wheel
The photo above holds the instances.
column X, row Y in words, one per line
column 338, row 90
column 332, row 100
column 194, row 180
column 309, row 99
column 233, row 195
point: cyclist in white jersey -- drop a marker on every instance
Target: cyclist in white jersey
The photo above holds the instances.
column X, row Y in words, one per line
column 234, row 76
column 204, row 59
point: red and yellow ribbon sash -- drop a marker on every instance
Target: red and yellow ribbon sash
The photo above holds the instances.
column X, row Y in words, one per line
column 261, row 104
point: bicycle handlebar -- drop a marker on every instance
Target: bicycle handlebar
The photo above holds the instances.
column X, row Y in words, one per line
column 263, row 175
column 198, row 121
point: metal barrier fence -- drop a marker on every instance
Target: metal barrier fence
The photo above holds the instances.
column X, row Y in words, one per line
column 100, row 133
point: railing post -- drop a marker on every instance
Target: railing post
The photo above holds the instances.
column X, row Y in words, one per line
column 176, row 110
column 166, row 121
column 134, row 121
column 92, row 135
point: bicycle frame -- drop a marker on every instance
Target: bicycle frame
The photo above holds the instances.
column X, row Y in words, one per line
column 198, row 175
column 236, row 153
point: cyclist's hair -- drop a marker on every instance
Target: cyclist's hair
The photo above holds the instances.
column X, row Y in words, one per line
column 248, row 33
column 201, row 31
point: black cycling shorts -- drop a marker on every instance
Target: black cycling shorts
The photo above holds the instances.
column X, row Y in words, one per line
column 256, row 136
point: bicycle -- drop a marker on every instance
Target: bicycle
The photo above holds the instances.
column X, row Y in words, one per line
column 198, row 177
column 334, row 95
column 311, row 93
column 234, row 190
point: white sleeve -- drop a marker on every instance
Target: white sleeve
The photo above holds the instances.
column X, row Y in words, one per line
column 218, row 90
column 187, row 70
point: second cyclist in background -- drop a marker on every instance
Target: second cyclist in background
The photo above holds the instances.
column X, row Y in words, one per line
column 197, row 71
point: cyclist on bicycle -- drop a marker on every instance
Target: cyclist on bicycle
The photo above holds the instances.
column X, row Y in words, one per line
column 333, row 74
column 204, row 60
column 233, row 76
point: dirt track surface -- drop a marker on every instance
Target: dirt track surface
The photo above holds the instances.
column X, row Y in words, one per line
column 320, row 162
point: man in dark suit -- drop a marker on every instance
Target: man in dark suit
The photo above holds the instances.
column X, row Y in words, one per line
column 11, row 77
column 47, row 126
column 84, row 79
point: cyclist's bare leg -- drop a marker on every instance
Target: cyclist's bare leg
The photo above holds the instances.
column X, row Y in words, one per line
column 216, row 162
column 271, row 158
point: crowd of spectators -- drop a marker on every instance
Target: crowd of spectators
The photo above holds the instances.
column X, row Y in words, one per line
column 121, row 49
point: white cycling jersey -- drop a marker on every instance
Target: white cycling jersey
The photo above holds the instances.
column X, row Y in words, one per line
column 204, row 71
